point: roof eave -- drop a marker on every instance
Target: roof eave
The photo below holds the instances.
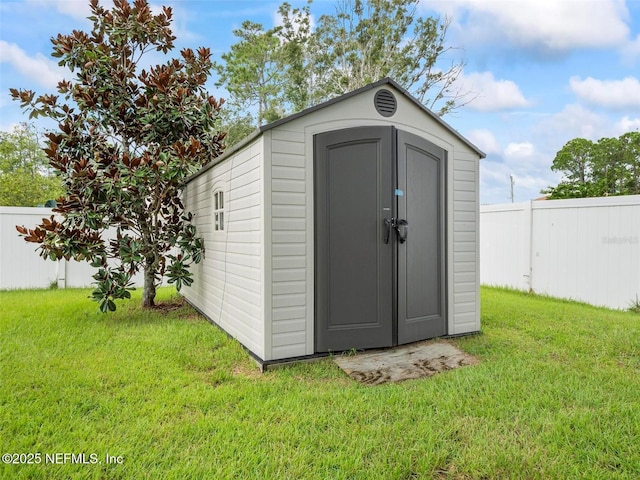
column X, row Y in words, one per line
column 230, row 151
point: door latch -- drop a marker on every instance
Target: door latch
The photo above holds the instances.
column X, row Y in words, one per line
column 401, row 228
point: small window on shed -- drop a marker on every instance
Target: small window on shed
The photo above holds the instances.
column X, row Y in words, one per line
column 218, row 210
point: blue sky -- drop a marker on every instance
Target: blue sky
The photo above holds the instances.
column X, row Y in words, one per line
column 542, row 71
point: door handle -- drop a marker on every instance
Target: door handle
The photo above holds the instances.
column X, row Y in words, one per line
column 388, row 223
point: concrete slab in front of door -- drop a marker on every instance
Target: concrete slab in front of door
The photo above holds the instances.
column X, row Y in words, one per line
column 417, row 360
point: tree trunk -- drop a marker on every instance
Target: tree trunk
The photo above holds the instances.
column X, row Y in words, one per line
column 149, row 292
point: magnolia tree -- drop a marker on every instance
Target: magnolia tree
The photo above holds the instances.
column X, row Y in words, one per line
column 127, row 138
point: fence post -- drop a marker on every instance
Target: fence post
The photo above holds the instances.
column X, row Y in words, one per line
column 61, row 273
column 529, row 253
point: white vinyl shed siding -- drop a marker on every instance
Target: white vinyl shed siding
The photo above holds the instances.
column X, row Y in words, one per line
column 228, row 285
column 290, row 261
column 464, row 295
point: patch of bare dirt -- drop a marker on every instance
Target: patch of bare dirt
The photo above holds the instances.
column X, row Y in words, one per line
column 247, row 371
column 170, row 306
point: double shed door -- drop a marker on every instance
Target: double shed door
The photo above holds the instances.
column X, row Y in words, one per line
column 379, row 237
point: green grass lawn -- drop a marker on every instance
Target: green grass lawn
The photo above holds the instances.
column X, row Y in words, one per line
column 556, row 395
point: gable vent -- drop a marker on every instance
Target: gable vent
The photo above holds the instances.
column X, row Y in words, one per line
column 385, row 103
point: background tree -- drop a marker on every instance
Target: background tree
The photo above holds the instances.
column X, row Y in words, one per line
column 630, row 145
column 372, row 39
column 236, row 123
column 610, row 166
column 127, row 138
column 305, row 65
column 251, row 73
column 574, row 161
column 26, row 180
column 294, row 66
column 609, row 170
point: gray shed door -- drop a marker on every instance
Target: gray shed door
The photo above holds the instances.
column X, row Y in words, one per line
column 354, row 267
column 372, row 289
column 421, row 274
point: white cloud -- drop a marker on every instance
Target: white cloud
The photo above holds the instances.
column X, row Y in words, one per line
column 617, row 94
column 572, row 121
column 491, row 94
column 632, row 49
column 519, row 150
column 525, row 160
column 548, row 25
column 522, row 160
column 627, row 124
column 39, row 69
column 180, row 19
column 78, row 9
column 485, row 141
column 529, row 179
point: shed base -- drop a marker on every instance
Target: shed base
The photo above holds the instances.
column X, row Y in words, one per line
column 265, row 365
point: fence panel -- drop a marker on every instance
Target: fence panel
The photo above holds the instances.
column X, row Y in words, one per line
column 584, row 249
column 588, row 250
column 505, row 239
column 22, row 267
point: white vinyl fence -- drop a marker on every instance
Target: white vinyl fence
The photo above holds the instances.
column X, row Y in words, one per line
column 583, row 249
column 22, row 267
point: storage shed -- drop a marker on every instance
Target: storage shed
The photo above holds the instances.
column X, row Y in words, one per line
column 352, row 224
